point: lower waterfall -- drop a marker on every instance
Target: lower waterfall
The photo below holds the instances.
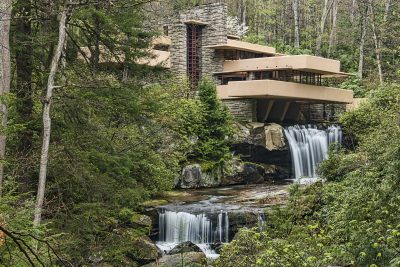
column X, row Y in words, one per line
column 201, row 229
column 178, row 227
column 309, row 147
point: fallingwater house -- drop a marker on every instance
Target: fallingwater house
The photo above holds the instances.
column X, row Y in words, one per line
column 254, row 81
column 257, row 84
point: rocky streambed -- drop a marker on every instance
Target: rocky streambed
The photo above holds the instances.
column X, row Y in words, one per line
column 196, row 223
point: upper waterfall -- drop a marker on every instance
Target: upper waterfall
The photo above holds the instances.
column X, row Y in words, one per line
column 309, row 147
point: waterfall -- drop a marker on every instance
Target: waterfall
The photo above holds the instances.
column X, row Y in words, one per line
column 309, row 147
column 178, row 227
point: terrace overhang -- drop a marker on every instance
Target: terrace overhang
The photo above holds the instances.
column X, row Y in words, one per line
column 279, row 90
column 244, row 46
column 307, row 63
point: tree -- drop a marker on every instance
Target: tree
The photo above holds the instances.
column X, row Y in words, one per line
column 376, row 40
column 325, row 11
column 5, row 76
column 295, row 5
column 24, row 54
column 47, row 119
column 213, row 143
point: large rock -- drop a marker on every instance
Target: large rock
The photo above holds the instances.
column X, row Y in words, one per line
column 189, row 259
column 217, row 247
column 184, row 248
column 193, row 177
column 239, row 172
column 140, row 220
column 144, row 250
column 274, row 137
column 235, row 172
column 270, row 136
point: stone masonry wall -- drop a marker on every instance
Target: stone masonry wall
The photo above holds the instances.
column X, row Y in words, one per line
column 322, row 112
column 242, row 109
column 213, row 33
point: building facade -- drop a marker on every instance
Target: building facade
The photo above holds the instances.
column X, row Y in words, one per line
column 254, row 81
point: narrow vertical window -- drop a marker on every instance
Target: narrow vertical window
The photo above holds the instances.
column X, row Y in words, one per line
column 194, row 54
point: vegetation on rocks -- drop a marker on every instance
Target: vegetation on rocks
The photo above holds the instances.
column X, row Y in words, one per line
column 350, row 220
column 121, row 133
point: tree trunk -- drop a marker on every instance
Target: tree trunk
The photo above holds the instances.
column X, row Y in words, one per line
column 23, row 60
column 5, row 76
column 332, row 37
column 376, row 41
column 387, row 7
column 325, row 11
column 47, row 119
column 353, row 11
column 364, row 26
column 295, row 4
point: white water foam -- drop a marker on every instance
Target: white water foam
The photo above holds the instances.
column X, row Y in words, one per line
column 309, row 147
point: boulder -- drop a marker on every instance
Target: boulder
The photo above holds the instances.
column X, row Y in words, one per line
column 274, row 137
column 140, row 220
column 217, row 246
column 144, row 250
column 243, row 173
column 189, row 259
column 193, row 177
column 184, row 247
column 270, row 136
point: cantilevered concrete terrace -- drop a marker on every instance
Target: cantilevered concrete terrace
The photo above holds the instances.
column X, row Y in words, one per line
column 279, row 90
column 299, row 62
column 291, row 78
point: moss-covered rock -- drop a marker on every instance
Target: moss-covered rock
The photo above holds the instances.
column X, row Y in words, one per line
column 140, row 220
column 144, row 250
column 189, row 259
column 184, row 248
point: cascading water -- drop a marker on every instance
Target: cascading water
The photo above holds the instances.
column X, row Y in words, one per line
column 309, row 147
column 202, row 229
column 178, row 227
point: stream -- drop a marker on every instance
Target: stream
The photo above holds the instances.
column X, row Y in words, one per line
column 209, row 217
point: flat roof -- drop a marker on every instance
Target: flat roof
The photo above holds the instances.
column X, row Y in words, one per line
column 159, row 58
column 244, row 46
column 161, row 40
column 271, row 89
column 155, row 58
column 309, row 63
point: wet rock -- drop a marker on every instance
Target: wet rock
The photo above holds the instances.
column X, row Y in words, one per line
column 189, row 259
column 243, row 173
column 144, row 250
column 274, row 172
column 270, row 136
column 217, row 246
column 184, row 247
column 140, row 220
column 274, row 137
column 193, row 177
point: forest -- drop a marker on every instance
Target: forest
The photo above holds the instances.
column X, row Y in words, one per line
column 88, row 143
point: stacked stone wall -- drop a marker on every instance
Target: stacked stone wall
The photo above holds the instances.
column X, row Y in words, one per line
column 213, row 33
column 322, row 112
column 242, row 109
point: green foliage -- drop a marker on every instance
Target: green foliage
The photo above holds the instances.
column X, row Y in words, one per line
column 353, row 83
column 216, row 130
column 17, row 245
column 350, row 220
